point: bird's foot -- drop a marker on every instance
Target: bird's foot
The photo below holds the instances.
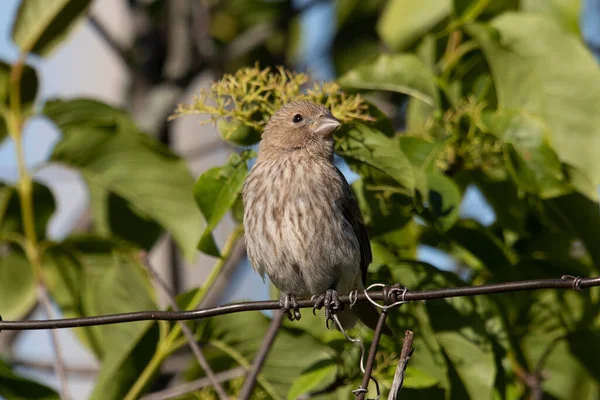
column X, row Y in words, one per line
column 331, row 302
column 289, row 306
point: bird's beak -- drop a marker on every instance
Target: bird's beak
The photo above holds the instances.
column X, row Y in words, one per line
column 326, row 125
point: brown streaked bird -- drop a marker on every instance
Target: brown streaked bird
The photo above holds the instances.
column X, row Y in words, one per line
column 303, row 226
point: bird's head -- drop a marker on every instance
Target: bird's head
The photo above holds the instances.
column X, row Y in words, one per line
column 299, row 125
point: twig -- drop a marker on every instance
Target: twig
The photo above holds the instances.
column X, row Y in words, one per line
column 111, row 42
column 195, row 385
column 59, row 365
column 408, row 296
column 407, row 351
column 261, row 356
column 362, row 391
column 48, row 366
column 185, row 329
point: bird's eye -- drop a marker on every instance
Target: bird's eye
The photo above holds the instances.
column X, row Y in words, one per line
column 297, row 118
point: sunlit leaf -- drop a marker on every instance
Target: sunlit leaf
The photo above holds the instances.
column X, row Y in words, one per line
column 17, row 287
column 40, row 25
column 315, row 377
column 116, row 159
column 540, row 70
column 15, row 387
column 402, row 73
column 216, row 192
column 404, row 22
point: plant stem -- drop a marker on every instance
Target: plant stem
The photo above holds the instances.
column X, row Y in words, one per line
column 166, row 346
column 25, row 190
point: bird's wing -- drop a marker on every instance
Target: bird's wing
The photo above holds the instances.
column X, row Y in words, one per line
column 352, row 214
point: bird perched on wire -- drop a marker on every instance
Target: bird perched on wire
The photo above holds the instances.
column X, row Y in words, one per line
column 303, row 226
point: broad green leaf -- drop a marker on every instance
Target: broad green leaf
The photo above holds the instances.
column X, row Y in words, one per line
column 40, row 25
column 530, row 158
column 10, row 211
column 402, row 73
column 383, row 214
column 88, row 276
column 237, row 133
column 17, row 286
column 509, row 207
column 565, row 13
column 28, row 91
column 579, row 216
column 122, row 366
column 292, row 352
column 377, row 158
column 583, row 345
column 316, row 377
column 469, row 10
column 444, row 200
column 14, row 387
column 421, row 152
column 480, row 242
column 216, row 192
column 568, row 378
column 552, row 77
column 417, row 379
column 120, row 163
column 403, row 22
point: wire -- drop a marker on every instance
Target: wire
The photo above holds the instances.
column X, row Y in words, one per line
column 565, row 282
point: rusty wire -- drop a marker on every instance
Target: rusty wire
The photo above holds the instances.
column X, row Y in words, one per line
column 565, row 282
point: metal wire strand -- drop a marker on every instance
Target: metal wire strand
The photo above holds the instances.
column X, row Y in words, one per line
column 535, row 284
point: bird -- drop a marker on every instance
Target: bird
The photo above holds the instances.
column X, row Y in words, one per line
column 303, row 226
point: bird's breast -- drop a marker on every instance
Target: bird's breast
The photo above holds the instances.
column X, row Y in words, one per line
column 295, row 231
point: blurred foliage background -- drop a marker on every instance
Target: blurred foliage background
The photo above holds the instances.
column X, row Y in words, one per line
column 499, row 97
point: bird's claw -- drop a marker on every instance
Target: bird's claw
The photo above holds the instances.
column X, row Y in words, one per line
column 289, row 306
column 331, row 302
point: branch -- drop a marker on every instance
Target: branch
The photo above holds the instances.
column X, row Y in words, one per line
column 195, row 385
column 185, row 329
column 59, row 365
column 407, row 351
column 111, row 42
column 362, row 390
column 535, row 284
column 261, row 356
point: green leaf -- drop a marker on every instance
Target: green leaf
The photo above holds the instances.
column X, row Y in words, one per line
column 404, row 22
column 14, row 387
column 565, row 13
column 421, row 152
column 131, row 176
column 237, row 133
column 28, row 89
column 552, row 77
column 444, row 200
column 10, row 209
column 17, row 286
column 468, row 10
column 40, row 25
column 318, row 376
column 292, row 352
column 88, row 276
column 376, row 157
column 29, row 86
column 509, row 207
column 216, row 192
column 480, row 242
column 417, row 379
column 402, row 73
column 570, row 380
column 579, row 216
column 531, row 161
